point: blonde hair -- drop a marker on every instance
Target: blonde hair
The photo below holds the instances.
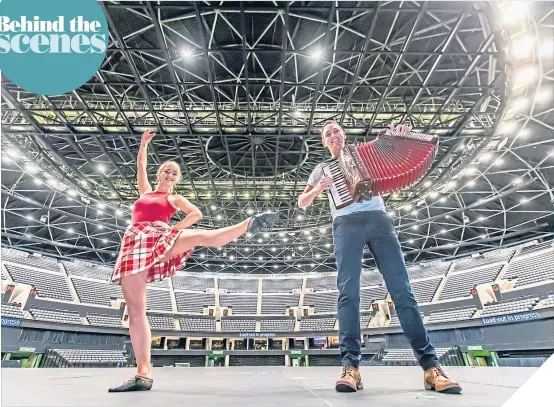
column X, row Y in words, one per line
column 162, row 168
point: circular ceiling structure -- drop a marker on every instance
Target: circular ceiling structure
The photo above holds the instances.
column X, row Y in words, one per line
column 238, row 92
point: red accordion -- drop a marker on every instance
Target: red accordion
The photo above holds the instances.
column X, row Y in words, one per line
column 391, row 162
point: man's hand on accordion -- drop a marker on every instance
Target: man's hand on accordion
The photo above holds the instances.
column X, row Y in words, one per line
column 324, row 184
column 400, row 129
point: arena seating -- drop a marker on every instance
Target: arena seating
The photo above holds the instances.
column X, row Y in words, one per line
column 460, row 285
column 104, row 320
column 51, row 315
column 322, row 283
column 322, row 301
column 43, row 263
column 238, row 325
column 281, row 285
column 87, row 357
column 530, row 265
column 96, row 292
column 277, row 304
column 509, row 307
column 369, row 295
column 406, row 356
column 159, row 300
column 192, row 283
column 239, row 285
column 277, row 325
column 317, row 324
column 48, row 285
column 82, row 270
column 161, row 322
column 193, row 302
column 197, row 324
column 455, row 314
column 424, row 290
column 241, row 304
column 547, row 302
column 534, row 267
column 416, row 272
column 12, row 310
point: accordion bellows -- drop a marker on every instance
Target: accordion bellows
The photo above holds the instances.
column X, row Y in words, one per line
column 389, row 163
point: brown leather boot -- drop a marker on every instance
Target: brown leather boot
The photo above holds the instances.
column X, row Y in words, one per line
column 435, row 379
column 350, row 380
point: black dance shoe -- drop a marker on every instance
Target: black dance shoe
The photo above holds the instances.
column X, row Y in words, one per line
column 263, row 220
column 137, row 383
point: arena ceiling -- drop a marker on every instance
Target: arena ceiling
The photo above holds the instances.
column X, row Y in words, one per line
column 238, row 91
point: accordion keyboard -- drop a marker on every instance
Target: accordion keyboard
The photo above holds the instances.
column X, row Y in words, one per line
column 339, row 192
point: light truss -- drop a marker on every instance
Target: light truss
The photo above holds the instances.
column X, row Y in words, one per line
column 238, row 98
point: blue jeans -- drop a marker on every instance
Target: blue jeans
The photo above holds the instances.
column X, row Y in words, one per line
column 376, row 229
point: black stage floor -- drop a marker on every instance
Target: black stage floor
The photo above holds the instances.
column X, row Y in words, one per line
column 257, row 386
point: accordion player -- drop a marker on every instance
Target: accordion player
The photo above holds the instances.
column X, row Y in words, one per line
column 392, row 162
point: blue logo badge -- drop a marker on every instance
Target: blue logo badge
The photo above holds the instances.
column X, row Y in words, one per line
column 51, row 47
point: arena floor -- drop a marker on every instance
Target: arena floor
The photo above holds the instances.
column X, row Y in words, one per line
column 259, row 386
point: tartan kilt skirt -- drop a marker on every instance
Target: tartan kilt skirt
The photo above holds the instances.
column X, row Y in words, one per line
column 142, row 247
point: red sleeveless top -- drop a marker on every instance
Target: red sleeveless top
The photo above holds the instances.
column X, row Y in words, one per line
column 152, row 207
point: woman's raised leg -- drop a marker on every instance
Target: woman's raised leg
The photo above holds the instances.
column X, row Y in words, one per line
column 191, row 238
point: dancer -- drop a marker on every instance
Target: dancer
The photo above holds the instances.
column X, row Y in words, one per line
column 151, row 250
column 354, row 226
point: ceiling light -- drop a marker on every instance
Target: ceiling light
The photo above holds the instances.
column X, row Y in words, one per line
column 249, row 234
column 218, row 217
column 415, row 227
column 275, row 266
column 202, row 255
column 499, row 162
column 524, row 200
column 452, row 184
column 101, row 206
column 260, row 258
column 213, row 207
column 299, row 217
column 33, row 169
column 285, row 240
column 523, row 46
column 229, row 195
column 523, row 133
column 187, row 53
column 128, row 221
column 328, row 245
column 518, row 181
column 443, row 231
column 273, row 249
column 482, row 236
column 481, row 218
column 513, row 12
column 485, row 157
column 411, row 241
column 433, row 194
column 70, row 230
column 543, row 96
column 391, row 213
column 100, row 227
column 101, row 167
column 526, row 75
column 546, row 48
column 246, row 249
column 407, row 207
column 317, row 54
column 118, row 212
column 289, row 257
column 519, row 104
column 30, row 217
column 471, row 183
column 428, row 183
column 231, row 257
column 322, row 230
column 443, row 199
column 414, row 213
column 104, row 240
column 38, row 181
